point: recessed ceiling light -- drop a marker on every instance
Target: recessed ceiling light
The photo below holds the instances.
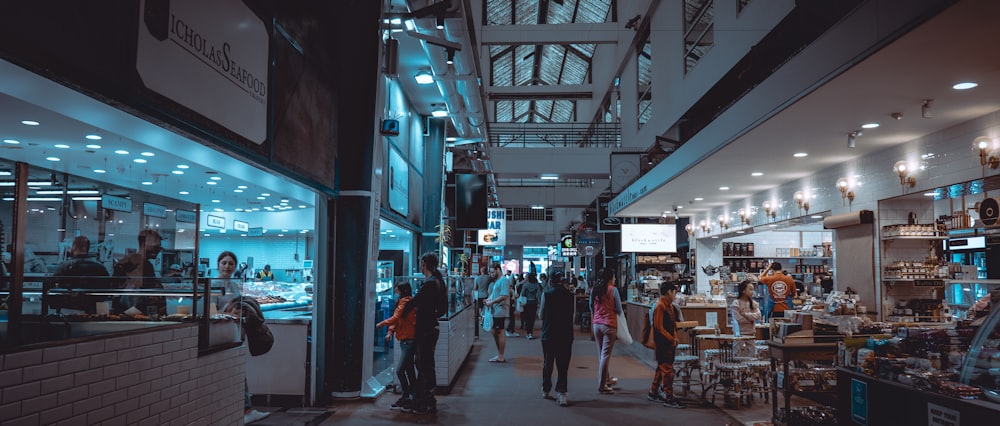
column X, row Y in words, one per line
column 177, row 172
column 549, row 177
column 183, row 166
column 147, row 182
column 237, row 190
column 439, row 113
column 218, row 209
column 184, row 193
column 140, row 160
column 424, row 77
column 242, row 187
column 61, row 146
column 680, row 207
column 93, row 146
column 29, row 123
column 94, row 137
column 239, row 209
column 816, row 216
column 211, row 182
column 869, row 126
column 302, row 206
column 147, row 154
column 964, row 85
column 930, row 194
column 800, row 154
column 53, row 158
column 100, row 171
column 121, row 152
column 216, row 201
column 757, row 174
column 699, row 199
column 215, row 178
column 723, row 188
column 261, row 198
column 265, row 194
column 11, row 141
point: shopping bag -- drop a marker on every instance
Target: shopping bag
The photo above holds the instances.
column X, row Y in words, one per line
column 521, row 301
column 623, row 333
column 647, row 339
column 488, row 318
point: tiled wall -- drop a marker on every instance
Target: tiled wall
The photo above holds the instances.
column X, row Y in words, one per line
column 279, row 252
column 453, row 345
column 153, row 378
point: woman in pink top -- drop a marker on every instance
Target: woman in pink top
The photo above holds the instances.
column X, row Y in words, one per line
column 606, row 305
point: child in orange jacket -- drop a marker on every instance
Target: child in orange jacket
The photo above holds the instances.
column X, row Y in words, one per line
column 404, row 327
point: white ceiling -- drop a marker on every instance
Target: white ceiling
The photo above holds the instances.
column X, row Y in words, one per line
column 953, row 47
column 66, row 116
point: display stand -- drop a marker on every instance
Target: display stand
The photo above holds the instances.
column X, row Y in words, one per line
column 785, row 353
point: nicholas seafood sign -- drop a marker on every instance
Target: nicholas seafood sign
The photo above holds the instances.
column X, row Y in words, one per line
column 209, row 56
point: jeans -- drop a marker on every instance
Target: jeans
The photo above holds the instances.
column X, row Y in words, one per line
column 558, row 353
column 528, row 316
column 605, row 336
column 426, row 376
column 405, row 368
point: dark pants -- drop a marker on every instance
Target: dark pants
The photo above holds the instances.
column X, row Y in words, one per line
column 513, row 312
column 480, row 304
column 405, row 368
column 426, row 377
column 558, row 353
column 528, row 316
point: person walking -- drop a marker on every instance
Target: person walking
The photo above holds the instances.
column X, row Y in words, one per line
column 556, row 311
column 431, row 302
column 512, row 306
column 665, row 335
column 605, row 306
column 531, row 291
column 499, row 301
column 404, row 328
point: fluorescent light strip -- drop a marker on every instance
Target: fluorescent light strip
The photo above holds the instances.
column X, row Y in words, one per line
column 71, row 192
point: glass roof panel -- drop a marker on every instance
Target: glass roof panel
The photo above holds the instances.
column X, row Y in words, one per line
column 524, row 60
column 502, row 70
column 498, row 12
column 561, row 13
column 593, row 11
column 543, row 111
column 576, row 70
column 562, row 111
column 586, row 49
column 521, row 111
column 504, row 111
column 552, row 59
column 525, row 11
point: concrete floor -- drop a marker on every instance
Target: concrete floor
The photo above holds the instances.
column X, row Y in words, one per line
column 510, row 394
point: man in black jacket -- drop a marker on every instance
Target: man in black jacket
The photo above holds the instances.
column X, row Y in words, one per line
column 556, row 311
column 431, row 302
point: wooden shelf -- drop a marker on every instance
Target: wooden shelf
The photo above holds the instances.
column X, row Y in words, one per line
column 915, row 237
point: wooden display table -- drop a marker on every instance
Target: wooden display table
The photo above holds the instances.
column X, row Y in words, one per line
column 788, row 352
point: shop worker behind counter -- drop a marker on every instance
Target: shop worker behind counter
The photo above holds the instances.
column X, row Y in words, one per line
column 431, row 302
column 780, row 287
column 77, row 272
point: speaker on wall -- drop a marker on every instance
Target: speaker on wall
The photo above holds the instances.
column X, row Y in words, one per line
column 470, row 201
column 391, row 56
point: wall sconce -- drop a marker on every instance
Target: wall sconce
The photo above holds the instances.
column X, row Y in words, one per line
column 690, row 229
column 768, row 212
column 987, row 156
column 723, row 222
column 744, row 217
column 802, row 200
column 845, row 190
column 705, row 226
column 903, row 170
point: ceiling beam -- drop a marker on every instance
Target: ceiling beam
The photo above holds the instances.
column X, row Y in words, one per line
column 574, row 33
column 561, row 91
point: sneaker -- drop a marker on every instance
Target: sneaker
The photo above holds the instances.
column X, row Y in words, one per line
column 530, row 337
column 509, row 334
column 400, row 404
column 606, row 390
column 561, row 399
column 254, row 416
column 673, row 403
column 612, row 381
column 655, row 396
column 546, row 395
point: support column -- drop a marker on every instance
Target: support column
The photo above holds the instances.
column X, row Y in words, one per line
column 433, row 186
column 340, row 312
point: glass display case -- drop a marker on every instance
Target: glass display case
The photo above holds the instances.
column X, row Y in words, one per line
column 981, row 367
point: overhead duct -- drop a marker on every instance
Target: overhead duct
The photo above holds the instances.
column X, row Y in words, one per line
column 459, row 87
column 849, row 219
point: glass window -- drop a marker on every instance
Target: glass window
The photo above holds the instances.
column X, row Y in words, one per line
column 698, row 31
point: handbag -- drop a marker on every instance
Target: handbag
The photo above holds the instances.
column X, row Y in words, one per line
column 623, row 333
column 521, row 301
column 647, row 339
column 487, row 319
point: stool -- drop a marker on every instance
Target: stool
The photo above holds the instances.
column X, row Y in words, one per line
column 730, row 383
column 759, row 379
column 684, row 366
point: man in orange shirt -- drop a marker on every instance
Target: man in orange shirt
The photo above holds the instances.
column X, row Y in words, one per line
column 780, row 287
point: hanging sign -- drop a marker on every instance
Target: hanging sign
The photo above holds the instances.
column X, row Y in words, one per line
column 241, row 226
column 496, row 232
column 567, row 248
column 154, row 210
column 116, row 203
column 216, row 221
column 185, row 216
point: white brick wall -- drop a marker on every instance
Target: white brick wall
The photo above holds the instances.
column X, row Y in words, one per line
column 453, row 345
column 152, row 378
